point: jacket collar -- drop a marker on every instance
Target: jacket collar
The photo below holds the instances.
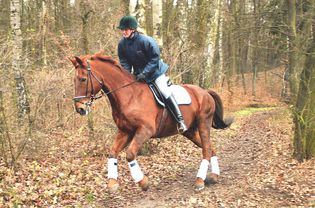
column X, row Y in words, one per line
column 134, row 36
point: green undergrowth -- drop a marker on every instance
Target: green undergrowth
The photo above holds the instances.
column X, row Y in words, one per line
column 251, row 110
column 245, row 112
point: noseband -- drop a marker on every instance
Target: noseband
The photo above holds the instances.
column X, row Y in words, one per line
column 92, row 97
column 104, row 90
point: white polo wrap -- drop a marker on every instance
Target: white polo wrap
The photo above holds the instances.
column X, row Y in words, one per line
column 135, row 171
column 112, row 168
column 202, row 172
column 215, row 165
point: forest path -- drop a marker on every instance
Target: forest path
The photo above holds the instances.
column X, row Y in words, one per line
column 257, row 170
column 255, row 156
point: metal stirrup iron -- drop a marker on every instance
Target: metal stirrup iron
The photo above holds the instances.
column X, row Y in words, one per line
column 182, row 127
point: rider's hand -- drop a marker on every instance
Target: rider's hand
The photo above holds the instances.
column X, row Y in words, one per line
column 140, row 77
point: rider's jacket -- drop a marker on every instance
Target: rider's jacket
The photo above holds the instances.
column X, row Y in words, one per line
column 143, row 54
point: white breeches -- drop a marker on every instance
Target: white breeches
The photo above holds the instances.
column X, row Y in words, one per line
column 161, row 83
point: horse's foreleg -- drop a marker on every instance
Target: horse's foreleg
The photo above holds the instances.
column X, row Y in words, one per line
column 138, row 140
column 120, row 142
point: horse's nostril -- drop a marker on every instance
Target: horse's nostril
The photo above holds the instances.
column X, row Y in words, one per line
column 81, row 111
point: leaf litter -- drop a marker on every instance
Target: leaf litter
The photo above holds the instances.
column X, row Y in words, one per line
column 255, row 156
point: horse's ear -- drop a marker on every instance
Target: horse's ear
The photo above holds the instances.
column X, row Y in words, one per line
column 100, row 52
column 79, row 61
column 74, row 62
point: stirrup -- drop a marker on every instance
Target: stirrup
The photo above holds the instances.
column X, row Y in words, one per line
column 181, row 127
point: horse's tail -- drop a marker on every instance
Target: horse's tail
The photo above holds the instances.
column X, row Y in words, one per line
column 218, row 121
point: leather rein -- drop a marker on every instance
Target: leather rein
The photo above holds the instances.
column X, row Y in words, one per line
column 93, row 96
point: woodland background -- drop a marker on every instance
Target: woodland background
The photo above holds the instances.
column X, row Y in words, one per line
column 253, row 53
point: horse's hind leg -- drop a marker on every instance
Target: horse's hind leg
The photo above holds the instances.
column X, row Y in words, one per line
column 201, row 137
column 204, row 133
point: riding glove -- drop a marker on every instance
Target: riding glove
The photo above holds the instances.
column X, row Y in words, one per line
column 140, row 77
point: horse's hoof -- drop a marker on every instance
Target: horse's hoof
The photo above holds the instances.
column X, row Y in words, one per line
column 211, row 178
column 199, row 185
column 112, row 185
column 144, row 183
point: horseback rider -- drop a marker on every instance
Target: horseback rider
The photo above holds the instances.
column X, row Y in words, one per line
column 141, row 54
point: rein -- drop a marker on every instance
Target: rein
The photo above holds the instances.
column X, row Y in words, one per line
column 93, row 97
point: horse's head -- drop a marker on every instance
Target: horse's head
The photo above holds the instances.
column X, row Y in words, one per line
column 86, row 85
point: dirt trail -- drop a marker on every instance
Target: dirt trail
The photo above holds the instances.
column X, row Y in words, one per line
column 255, row 156
column 256, row 170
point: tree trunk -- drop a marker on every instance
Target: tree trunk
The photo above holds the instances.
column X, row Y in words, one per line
column 157, row 21
column 22, row 99
column 133, row 7
column 243, row 45
column 181, row 31
column 87, row 11
column 255, row 46
column 220, row 49
column 137, row 9
column 125, row 6
column 304, row 135
column 200, row 36
column 231, row 40
column 211, row 42
column 4, row 17
column 292, row 53
column 43, row 33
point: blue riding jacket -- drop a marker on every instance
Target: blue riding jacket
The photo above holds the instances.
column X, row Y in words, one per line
column 141, row 53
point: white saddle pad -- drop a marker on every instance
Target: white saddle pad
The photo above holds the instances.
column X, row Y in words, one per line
column 181, row 95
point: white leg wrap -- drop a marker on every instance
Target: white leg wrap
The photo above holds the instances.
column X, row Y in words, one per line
column 112, row 168
column 202, row 172
column 135, row 171
column 215, row 165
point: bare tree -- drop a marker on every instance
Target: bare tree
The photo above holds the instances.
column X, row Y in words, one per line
column 86, row 10
column 137, row 9
column 292, row 53
column 157, row 20
column 22, row 99
column 304, row 135
column 43, row 29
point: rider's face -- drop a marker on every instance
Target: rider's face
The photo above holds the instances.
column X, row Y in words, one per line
column 127, row 32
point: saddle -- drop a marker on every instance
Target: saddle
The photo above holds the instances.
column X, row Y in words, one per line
column 180, row 94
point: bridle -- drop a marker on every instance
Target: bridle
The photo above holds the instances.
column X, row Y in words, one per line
column 104, row 90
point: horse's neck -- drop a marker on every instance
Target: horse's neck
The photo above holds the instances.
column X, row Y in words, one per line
column 116, row 81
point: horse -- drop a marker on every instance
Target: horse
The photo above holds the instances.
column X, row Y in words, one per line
column 138, row 117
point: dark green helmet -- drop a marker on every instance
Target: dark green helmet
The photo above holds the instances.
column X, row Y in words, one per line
column 128, row 22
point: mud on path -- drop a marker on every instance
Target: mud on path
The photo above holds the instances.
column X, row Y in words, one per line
column 257, row 170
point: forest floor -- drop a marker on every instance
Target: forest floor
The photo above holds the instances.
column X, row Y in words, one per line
column 255, row 157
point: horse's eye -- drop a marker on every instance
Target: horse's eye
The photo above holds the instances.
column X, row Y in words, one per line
column 82, row 79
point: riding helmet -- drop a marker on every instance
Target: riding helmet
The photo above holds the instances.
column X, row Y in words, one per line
column 128, row 22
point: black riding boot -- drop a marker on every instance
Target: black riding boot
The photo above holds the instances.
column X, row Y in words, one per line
column 172, row 104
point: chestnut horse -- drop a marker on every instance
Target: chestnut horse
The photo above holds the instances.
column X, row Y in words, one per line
column 139, row 118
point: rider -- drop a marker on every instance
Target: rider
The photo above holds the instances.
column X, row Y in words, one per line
column 142, row 54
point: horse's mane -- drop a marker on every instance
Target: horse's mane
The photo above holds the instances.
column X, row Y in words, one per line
column 104, row 58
